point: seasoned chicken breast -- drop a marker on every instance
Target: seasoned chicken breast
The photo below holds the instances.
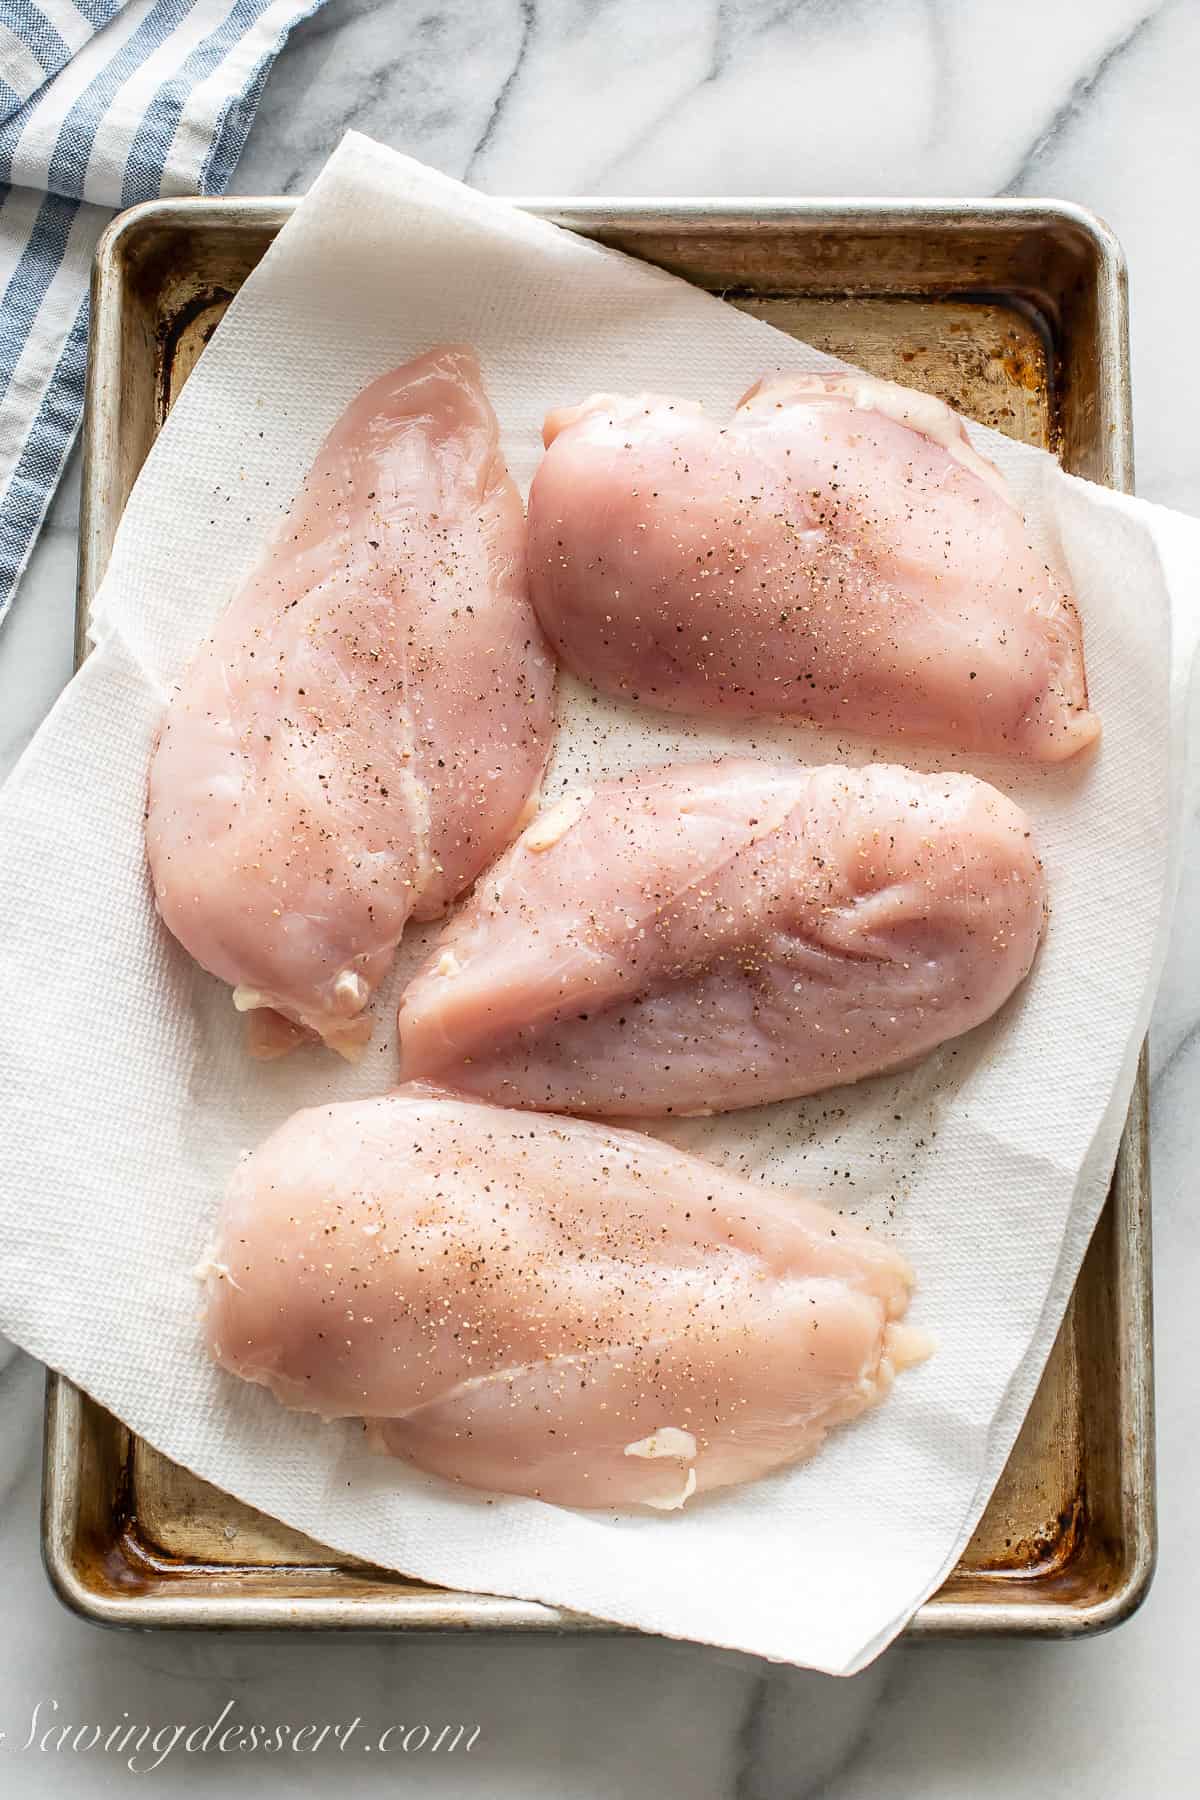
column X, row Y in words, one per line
column 364, row 728
column 710, row 936
column 544, row 1306
column 837, row 551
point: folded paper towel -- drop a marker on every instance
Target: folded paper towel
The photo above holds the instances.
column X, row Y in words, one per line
column 128, row 1097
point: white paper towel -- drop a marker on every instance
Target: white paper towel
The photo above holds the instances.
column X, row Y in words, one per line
column 128, row 1097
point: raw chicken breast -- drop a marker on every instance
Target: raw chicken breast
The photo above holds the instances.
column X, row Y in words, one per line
column 700, row 938
column 544, row 1306
column 838, row 551
column 363, row 730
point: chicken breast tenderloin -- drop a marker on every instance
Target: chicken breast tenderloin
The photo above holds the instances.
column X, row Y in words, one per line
column 544, row 1306
column 837, row 551
column 705, row 937
column 365, row 726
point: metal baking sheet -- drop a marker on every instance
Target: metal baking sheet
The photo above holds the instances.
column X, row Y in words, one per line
column 1016, row 314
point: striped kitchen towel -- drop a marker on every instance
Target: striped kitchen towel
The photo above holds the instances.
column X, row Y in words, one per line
column 102, row 103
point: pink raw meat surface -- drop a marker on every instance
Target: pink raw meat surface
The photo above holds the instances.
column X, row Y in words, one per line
column 710, row 936
column 363, row 730
column 837, row 551
column 547, row 1306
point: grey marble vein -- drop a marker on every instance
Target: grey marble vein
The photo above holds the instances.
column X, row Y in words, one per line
column 943, row 66
column 1081, row 94
column 800, row 1732
column 424, row 78
column 528, row 27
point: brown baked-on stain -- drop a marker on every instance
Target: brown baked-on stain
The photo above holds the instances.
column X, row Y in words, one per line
column 128, row 1564
column 1023, row 370
column 1053, row 1546
column 176, row 328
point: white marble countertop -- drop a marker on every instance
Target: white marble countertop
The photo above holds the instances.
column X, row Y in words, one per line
column 1094, row 103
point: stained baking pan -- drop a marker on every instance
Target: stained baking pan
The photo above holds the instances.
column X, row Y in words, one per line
column 1015, row 314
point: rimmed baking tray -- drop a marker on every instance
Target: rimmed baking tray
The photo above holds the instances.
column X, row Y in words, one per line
column 1015, row 313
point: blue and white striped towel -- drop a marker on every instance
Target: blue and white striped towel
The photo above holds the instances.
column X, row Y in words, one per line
column 102, row 103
